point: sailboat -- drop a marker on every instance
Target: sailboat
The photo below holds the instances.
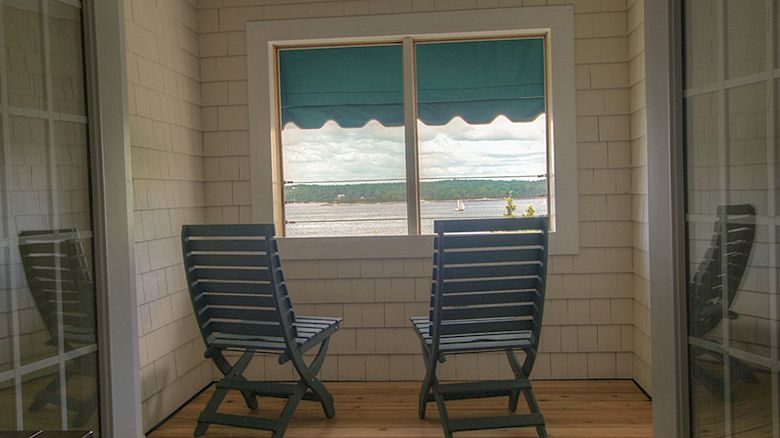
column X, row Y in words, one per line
column 460, row 206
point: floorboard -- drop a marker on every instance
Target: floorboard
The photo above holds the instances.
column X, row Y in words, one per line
column 576, row 409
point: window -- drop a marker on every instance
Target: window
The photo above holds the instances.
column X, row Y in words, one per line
column 379, row 125
column 349, row 160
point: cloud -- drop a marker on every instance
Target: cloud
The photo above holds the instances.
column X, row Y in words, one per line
column 332, row 153
column 500, row 129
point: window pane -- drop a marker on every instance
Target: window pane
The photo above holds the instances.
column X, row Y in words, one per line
column 40, row 399
column 66, row 59
column 82, row 393
column 702, row 59
column 343, row 151
column 482, row 131
column 708, row 408
column 746, row 36
column 478, row 171
column 24, row 55
column 8, row 402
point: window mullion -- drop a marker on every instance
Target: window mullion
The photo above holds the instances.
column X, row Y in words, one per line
column 410, row 138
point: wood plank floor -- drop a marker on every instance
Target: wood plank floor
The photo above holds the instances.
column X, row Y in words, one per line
column 581, row 408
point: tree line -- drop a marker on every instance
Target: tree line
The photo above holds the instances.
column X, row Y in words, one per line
column 429, row 191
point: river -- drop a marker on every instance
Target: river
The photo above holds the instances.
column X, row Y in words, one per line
column 389, row 218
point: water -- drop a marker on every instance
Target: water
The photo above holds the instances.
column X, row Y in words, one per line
column 389, row 218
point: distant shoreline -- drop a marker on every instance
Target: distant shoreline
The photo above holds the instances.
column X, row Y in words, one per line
column 516, row 198
column 444, row 190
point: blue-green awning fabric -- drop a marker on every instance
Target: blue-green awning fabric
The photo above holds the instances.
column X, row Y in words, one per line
column 474, row 80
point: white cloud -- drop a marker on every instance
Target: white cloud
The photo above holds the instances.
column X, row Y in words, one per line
column 332, row 153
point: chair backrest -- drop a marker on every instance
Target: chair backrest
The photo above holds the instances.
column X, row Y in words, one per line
column 236, row 282
column 58, row 275
column 735, row 227
column 489, row 275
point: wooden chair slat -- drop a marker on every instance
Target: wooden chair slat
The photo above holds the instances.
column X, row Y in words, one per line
column 243, row 344
column 481, row 326
column 486, row 346
column 489, row 298
column 224, row 287
column 227, row 274
column 490, row 256
column 227, row 260
column 214, row 245
column 486, row 225
column 485, row 285
column 244, row 328
column 514, row 270
column 492, row 240
column 243, row 313
column 228, row 230
column 524, row 309
column 250, row 300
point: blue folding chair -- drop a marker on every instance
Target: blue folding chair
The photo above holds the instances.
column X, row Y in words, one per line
column 241, row 304
column 487, row 294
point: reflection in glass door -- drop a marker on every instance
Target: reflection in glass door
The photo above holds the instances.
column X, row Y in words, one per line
column 731, row 98
column 48, row 350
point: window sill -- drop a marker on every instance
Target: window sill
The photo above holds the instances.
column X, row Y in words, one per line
column 361, row 247
column 374, row 247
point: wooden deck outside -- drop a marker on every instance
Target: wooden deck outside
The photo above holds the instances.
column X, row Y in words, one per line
column 581, row 408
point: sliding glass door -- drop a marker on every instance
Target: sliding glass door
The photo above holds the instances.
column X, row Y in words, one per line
column 731, row 102
column 48, row 349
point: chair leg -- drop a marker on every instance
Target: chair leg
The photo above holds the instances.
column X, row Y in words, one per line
column 289, row 409
column 224, row 367
column 428, row 381
column 533, row 406
column 443, row 416
column 211, row 407
column 514, row 398
column 431, row 385
column 234, row 372
column 308, row 375
column 517, row 369
column 520, row 372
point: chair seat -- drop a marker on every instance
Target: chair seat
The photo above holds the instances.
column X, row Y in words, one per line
column 311, row 330
column 468, row 342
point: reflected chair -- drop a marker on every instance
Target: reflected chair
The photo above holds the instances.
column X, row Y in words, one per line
column 735, row 227
column 59, row 277
column 487, row 295
column 241, row 304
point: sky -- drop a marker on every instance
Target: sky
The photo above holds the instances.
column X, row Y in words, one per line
column 375, row 152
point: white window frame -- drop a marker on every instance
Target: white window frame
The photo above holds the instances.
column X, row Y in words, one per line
column 556, row 24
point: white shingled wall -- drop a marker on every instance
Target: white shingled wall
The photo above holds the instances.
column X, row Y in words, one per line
column 168, row 190
column 589, row 320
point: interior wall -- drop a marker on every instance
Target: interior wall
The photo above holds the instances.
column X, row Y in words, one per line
column 168, row 191
column 639, row 184
column 589, row 322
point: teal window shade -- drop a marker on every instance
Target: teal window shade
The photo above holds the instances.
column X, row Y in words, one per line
column 480, row 80
column 349, row 85
column 474, row 80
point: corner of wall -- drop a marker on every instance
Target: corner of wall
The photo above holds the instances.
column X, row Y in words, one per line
column 166, row 135
column 639, row 184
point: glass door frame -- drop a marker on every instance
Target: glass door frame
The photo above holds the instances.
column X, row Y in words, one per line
column 48, row 114
column 666, row 214
column 666, row 205
column 105, row 80
column 114, row 262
